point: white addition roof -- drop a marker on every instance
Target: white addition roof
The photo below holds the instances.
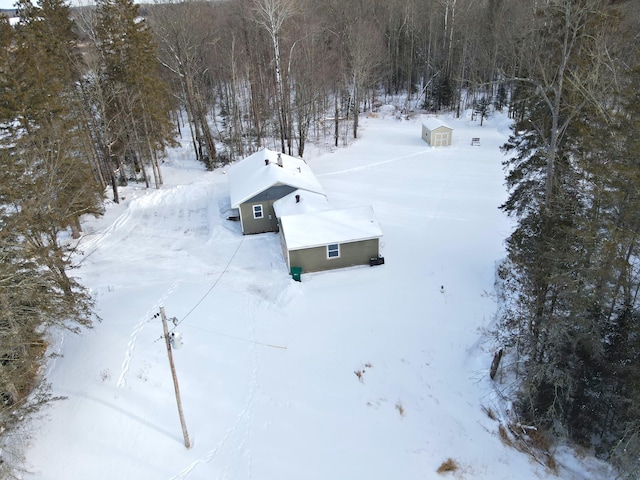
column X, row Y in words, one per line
column 432, row 123
column 330, row 226
column 309, row 202
column 252, row 175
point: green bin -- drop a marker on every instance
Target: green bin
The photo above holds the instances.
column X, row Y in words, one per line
column 296, row 273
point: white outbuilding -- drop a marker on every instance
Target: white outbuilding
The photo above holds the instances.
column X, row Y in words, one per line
column 436, row 133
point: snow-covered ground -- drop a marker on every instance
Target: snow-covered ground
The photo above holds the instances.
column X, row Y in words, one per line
column 268, row 367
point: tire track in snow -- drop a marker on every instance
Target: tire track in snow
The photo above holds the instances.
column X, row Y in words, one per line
column 95, row 240
column 242, row 424
column 370, row 165
column 131, row 345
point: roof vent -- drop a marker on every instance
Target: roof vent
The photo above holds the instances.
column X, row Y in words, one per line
column 297, row 198
column 279, row 160
column 266, row 161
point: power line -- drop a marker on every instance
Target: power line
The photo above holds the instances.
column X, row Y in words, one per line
column 211, row 287
column 235, row 337
column 157, row 314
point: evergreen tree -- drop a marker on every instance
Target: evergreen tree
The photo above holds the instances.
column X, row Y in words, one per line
column 442, row 94
column 573, row 177
column 46, row 185
column 612, row 167
column 501, row 97
column 482, row 108
column 134, row 101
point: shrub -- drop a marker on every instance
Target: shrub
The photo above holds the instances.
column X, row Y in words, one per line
column 449, row 465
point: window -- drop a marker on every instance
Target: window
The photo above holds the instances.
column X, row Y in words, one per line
column 257, row 211
column 333, row 250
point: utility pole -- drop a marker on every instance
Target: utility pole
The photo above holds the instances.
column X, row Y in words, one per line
column 187, row 443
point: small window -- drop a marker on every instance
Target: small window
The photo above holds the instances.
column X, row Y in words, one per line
column 333, row 250
column 257, row 211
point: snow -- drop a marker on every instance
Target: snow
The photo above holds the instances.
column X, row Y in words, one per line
column 300, row 201
column 265, row 169
column 432, row 123
column 330, row 226
column 361, row 373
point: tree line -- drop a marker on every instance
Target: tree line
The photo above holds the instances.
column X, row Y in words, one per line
column 91, row 97
column 571, row 322
column 73, row 122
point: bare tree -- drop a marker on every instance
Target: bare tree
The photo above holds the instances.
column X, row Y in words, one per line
column 365, row 47
column 184, row 35
column 272, row 14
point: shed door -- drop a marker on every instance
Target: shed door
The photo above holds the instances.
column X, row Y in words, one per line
column 441, row 139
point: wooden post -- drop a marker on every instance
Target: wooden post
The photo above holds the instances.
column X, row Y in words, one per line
column 187, row 443
column 495, row 364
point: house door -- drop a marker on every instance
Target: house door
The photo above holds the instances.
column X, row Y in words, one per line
column 441, row 139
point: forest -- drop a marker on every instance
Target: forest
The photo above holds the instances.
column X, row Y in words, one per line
column 91, row 97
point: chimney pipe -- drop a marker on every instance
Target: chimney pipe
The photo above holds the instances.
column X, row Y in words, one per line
column 279, row 160
column 266, row 161
column 297, row 198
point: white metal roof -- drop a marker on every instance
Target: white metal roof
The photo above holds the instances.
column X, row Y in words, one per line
column 330, row 226
column 432, row 123
column 252, row 175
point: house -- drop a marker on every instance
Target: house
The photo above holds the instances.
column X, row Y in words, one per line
column 274, row 192
column 436, row 133
column 262, row 178
column 330, row 238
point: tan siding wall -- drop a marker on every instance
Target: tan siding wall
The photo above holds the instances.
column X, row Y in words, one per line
column 429, row 136
column 441, row 130
column 353, row 253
